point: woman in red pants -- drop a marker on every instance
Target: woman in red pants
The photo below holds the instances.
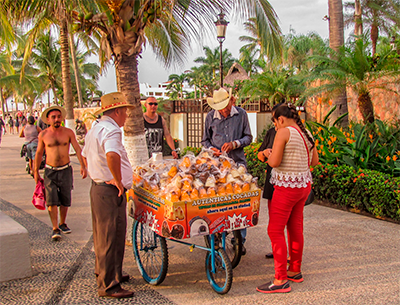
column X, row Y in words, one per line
column 290, row 157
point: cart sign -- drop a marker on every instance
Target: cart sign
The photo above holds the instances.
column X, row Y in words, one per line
column 186, row 219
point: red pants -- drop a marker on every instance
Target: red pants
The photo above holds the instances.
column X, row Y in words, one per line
column 286, row 209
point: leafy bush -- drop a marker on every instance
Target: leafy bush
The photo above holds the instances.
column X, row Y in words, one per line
column 373, row 146
column 195, row 150
column 366, row 190
column 255, row 166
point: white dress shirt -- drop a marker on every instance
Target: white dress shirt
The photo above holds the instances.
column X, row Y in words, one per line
column 105, row 137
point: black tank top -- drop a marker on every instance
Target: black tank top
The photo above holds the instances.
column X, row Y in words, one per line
column 154, row 136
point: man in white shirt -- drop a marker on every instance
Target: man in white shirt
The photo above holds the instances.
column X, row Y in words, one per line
column 109, row 168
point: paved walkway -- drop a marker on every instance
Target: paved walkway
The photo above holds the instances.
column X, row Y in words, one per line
column 348, row 258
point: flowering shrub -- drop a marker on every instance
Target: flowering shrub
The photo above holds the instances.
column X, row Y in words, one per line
column 374, row 146
column 254, row 166
column 366, row 190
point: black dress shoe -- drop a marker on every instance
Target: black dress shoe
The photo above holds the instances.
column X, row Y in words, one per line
column 125, row 278
column 119, row 294
column 269, row 255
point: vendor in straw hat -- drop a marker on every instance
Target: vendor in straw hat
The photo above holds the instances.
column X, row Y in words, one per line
column 227, row 130
column 111, row 173
column 58, row 174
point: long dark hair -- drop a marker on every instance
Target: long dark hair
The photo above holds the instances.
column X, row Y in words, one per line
column 289, row 111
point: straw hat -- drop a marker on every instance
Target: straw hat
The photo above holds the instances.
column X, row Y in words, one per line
column 220, row 99
column 111, row 101
column 53, row 107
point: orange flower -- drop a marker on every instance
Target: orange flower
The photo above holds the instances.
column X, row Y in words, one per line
column 388, row 158
column 329, row 142
column 330, row 103
column 370, row 136
column 319, row 100
column 394, row 158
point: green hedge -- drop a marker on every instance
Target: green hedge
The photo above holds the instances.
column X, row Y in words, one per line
column 365, row 190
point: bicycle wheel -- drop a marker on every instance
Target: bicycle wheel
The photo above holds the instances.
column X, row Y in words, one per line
column 151, row 253
column 221, row 280
column 233, row 245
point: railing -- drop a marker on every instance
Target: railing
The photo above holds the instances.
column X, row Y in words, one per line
column 201, row 106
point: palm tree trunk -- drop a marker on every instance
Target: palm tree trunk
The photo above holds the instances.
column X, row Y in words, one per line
column 76, row 69
column 336, row 40
column 65, row 71
column 2, row 102
column 374, row 37
column 366, row 107
column 358, row 29
column 128, row 84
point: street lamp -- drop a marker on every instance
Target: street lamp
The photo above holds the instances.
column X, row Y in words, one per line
column 221, row 24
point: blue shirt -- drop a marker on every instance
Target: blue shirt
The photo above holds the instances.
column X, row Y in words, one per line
column 219, row 130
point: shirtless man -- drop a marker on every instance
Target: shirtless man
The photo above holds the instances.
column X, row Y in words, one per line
column 58, row 172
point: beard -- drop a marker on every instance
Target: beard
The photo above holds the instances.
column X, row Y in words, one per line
column 57, row 125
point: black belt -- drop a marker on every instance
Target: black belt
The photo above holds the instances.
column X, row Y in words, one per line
column 105, row 184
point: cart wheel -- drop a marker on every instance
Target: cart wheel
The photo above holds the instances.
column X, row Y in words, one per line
column 151, row 253
column 221, row 280
column 233, row 245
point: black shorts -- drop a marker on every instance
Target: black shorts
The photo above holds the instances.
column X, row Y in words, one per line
column 58, row 185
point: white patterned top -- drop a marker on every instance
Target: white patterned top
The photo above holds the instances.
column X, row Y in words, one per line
column 294, row 170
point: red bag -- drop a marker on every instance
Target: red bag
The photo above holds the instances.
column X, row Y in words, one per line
column 39, row 199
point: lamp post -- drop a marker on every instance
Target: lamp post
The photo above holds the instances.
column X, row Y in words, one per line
column 221, row 24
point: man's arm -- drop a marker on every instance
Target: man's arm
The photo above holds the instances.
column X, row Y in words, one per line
column 38, row 157
column 169, row 139
column 78, row 151
column 114, row 164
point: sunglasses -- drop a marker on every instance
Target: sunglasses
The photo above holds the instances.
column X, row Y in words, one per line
column 153, row 104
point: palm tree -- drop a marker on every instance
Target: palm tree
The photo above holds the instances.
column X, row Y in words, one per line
column 352, row 67
column 5, row 69
column 176, row 85
column 255, row 42
column 210, row 61
column 168, row 27
column 336, row 40
column 248, row 60
column 43, row 14
column 375, row 14
column 300, row 47
column 47, row 57
column 276, row 87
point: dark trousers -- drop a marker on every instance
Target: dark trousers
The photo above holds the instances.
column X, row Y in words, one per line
column 109, row 230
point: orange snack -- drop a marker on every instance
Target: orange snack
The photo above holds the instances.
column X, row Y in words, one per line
column 211, row 192
column 185, row 196
column 194, row 194
column 229, row 188
column 185, row 162
column 237, row 188
column 203, row 192
column 174, row 196
column 226, row 164
column 186, row 186
column 221, row 190
column 173, row 171
column 246, row 187
column 146, row 185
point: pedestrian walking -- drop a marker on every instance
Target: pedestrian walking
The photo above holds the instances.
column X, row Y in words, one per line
column 58, row 174
column 31, row 134
column 10, row 125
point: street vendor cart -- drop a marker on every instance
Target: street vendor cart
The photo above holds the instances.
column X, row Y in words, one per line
column 158, row 219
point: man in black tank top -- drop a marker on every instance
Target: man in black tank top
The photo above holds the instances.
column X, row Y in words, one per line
column 156, row 129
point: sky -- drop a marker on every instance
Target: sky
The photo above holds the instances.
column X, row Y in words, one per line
column 303, row 16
